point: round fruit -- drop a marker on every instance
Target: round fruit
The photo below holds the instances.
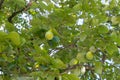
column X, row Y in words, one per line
column 89, row 55
column 73, row 61
column 49, row 35
column 36, row 65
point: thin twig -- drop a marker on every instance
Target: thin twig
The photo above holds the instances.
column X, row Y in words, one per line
column 103, row 58
column 19, row 11
column 87, row 67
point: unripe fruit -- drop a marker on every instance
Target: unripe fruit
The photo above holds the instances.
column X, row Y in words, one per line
column 49, row 35
column 89, row 55
column 73, row 61
column 74, row 16
column 36, row 65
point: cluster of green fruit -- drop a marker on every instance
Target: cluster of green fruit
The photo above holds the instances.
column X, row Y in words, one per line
column 89, row 56
column 83, row 57
column 52, row 37
column 90, row 53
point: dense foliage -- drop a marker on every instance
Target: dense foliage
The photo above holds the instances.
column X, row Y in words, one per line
column 60, row 39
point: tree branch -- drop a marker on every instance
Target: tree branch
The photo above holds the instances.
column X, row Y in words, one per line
column 103, row 58
column 70, row 68
column 1, row 3
column 87, row 67
column 73, row 45
column 118, row 46
column 19, row 11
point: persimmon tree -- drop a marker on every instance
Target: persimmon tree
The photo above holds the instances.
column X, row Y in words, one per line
column 60, row 39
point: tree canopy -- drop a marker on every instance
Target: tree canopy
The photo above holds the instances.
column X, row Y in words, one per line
column 60, row 39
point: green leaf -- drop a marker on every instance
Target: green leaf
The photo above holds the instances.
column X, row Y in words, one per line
column 102, row 29
column 57, row 63
column 43, row 60
column 13, row 3
column 81, row 57
column 118, row 40
column 23, row 41
column 77, row 7
column 115, row 20
column 76, row 72
column 95, row 22
column 69, row 77
column 14, row 37
column 114, row 36
column 98, row 67
column 111, row 48
column 10, row 27
column 3, row 47
column 54, row 42
column 56, row 33
column 83, row 36
column 56, row 39
column 23, row 78
column 50, row 77
column 2, row 35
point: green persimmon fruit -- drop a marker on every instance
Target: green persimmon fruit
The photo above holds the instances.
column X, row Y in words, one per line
column 89, row 55
column 49, row 35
